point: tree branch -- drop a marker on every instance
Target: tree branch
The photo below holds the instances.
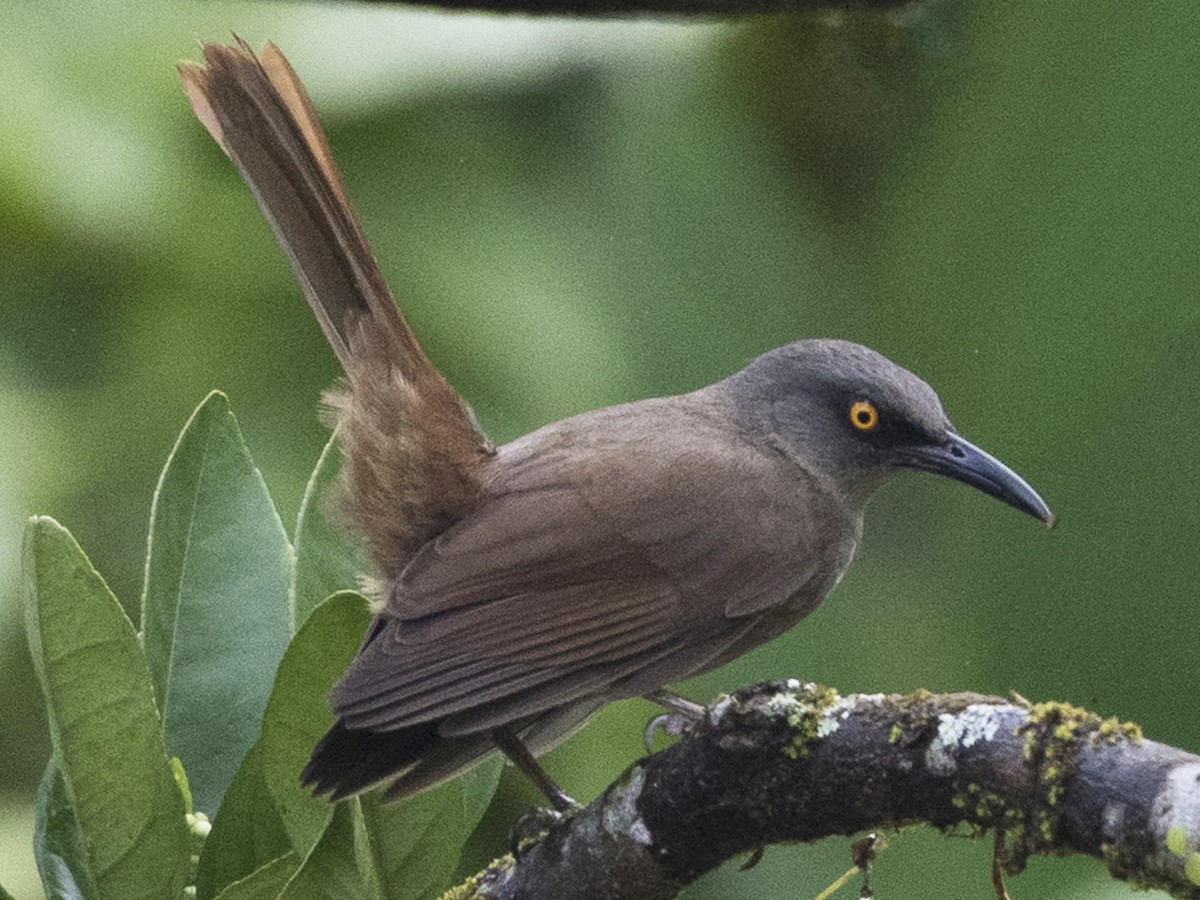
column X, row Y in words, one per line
column 682, row 8
column 786, row 761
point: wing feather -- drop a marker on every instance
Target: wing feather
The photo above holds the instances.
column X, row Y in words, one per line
column 397, row 682
column 569, row 584
column 518, row 543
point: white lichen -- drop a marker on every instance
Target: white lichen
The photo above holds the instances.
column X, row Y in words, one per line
column 938, row 760
column 621, row 815
column 836, row 712
column 786, row 706
column 718, row 709
column 960, row 731
column 1176, row 813
column 978, row 722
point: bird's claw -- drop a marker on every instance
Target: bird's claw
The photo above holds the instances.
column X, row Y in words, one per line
column 671, row 723
column 683, row 715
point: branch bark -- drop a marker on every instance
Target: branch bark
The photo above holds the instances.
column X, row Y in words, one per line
column 678, row 8
column 785, row 761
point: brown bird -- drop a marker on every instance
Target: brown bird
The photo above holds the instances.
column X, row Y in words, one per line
column 597, row 558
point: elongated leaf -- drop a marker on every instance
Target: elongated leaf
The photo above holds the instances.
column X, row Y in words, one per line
column 264, row 883
column 415, row 844
column 57, row 849
column 330, row 556
column 215, row 614
column 298, row 713
column 246, row 834
column 104, row 726
column 410, row 848
column 478, row 787
column 338, row 866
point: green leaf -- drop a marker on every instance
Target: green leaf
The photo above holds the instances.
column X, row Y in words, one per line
column 298, row 714
column 415, row 844
column 478, row 787
column 5, row 895
column 264, row 883
column 411, row 847
column 104, row 726
column 337, row 867
column 57, row 848
column 215, row 614
column 330, row 555
column 246, row 834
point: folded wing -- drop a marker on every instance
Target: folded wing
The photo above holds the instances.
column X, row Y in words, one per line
column 562, row 588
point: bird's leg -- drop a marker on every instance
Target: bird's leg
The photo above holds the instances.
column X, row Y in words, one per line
column 684, row 713
column 515, row 750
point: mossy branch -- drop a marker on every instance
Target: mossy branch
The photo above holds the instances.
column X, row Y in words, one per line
column 676, row 8
column 785, row 761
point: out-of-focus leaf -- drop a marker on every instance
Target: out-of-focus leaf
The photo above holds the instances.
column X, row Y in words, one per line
column 330, row 556
column 215, row 615
column 105, row 728
column 339, row 865
column 478, row 787
column 298, row 713
column 264, row 883
column 60, row 856
column 246, row 835
column 414, row 844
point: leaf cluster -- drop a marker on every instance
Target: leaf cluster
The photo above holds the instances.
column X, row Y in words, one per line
column 177, row 746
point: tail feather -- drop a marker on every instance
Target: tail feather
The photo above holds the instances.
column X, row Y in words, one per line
column 261, row 116
column 349, row 761
column 414, row 456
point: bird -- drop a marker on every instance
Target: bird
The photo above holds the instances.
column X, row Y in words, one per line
column 600, row 557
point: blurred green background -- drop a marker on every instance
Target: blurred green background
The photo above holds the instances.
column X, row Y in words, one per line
column 1004, row 198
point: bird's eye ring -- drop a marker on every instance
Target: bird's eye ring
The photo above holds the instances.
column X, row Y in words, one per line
column 863, row 415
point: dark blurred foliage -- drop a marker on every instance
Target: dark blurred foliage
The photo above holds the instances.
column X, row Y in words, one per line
column 1002, row 198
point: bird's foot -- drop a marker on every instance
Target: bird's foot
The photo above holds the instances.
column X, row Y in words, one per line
column 684, row 715
column 673, row 724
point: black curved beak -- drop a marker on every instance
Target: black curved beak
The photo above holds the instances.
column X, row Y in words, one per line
column 961, row 460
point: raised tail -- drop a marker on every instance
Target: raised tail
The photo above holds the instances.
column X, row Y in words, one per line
column 414, row 457
column 258, row 111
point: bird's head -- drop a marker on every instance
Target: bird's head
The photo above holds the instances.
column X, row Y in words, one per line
column 852, row 416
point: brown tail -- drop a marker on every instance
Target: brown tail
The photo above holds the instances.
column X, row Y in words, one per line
column 414, row 457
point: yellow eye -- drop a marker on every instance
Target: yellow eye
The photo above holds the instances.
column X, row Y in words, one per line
column 863, row 415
